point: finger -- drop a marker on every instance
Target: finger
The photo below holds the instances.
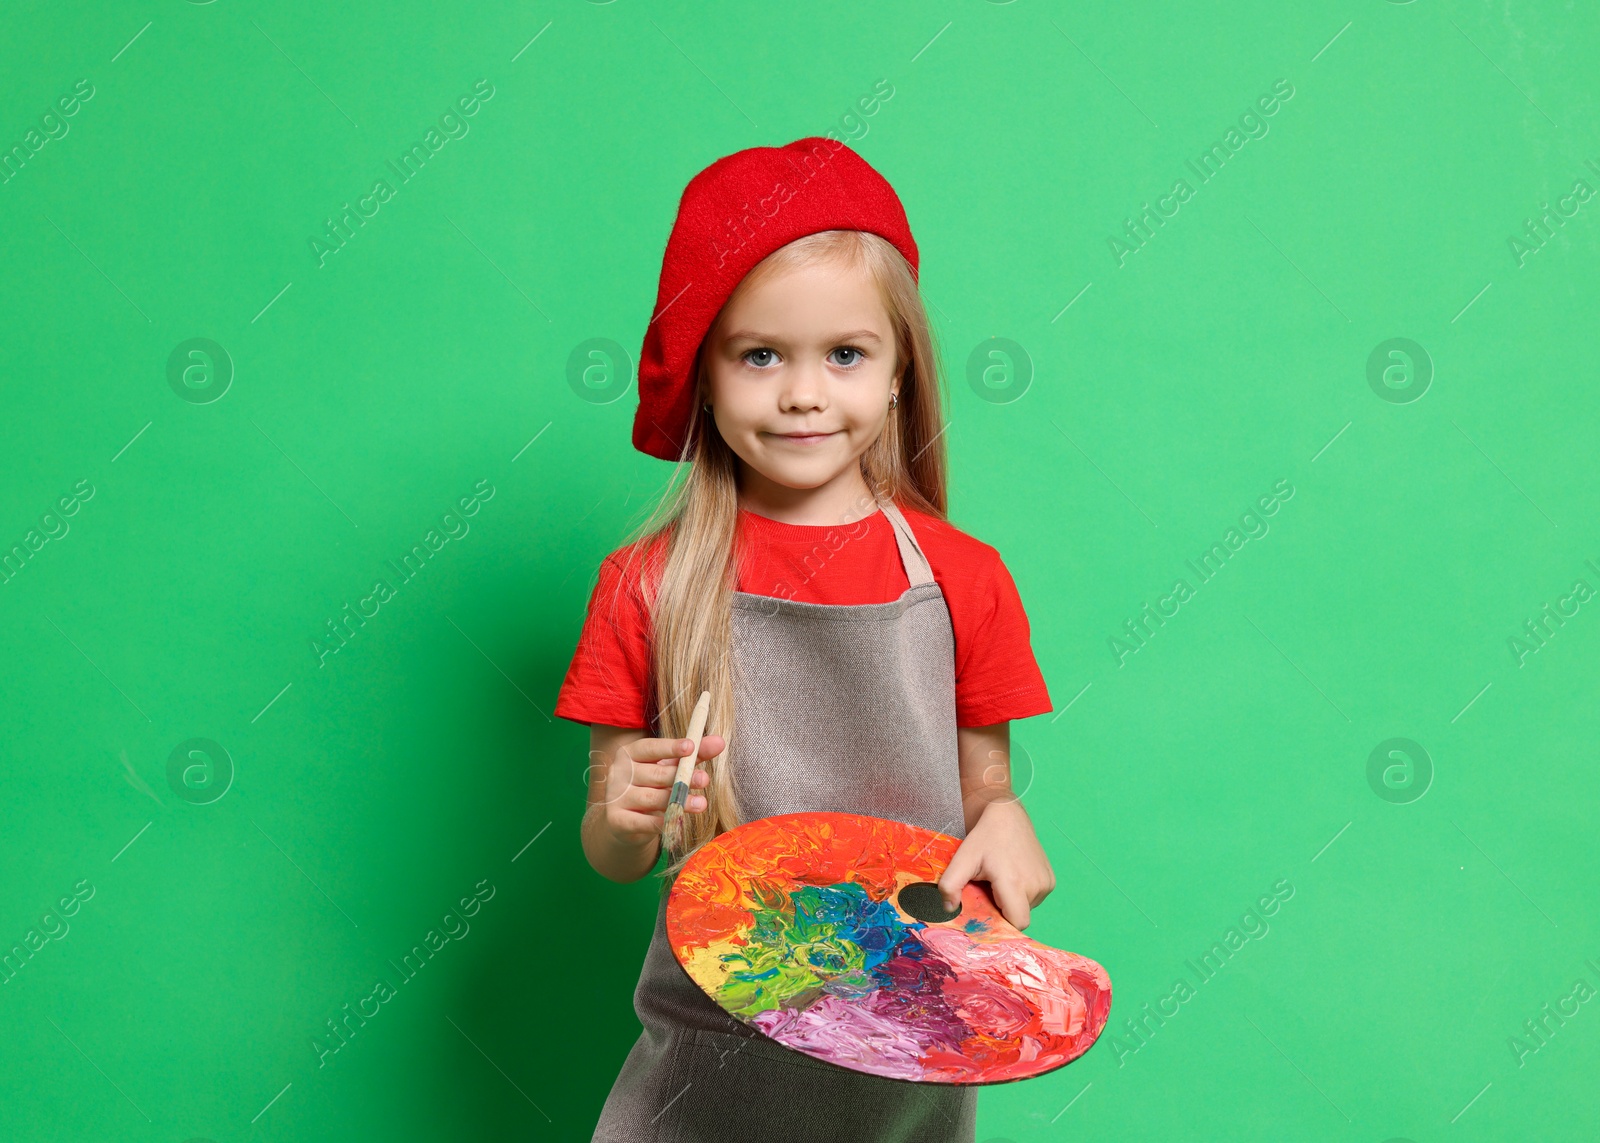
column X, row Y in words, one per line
column 645, row 799
column 631, row 823
column 1013, row 903
column 658, row 749
column 962, row 868
column 655, row 773
column 712, row 745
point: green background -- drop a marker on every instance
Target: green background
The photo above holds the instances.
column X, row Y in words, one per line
column 1141, row 410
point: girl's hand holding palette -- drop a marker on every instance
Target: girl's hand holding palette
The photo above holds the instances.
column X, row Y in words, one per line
column 826, row 932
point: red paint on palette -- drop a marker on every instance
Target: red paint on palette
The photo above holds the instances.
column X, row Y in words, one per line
column 798, row 925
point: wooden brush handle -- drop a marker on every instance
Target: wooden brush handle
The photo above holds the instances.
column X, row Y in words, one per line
column 679, row 798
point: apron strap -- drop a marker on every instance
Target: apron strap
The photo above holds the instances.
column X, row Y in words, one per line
column 916, row 564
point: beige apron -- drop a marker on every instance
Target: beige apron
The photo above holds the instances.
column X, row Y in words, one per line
column 848, row 708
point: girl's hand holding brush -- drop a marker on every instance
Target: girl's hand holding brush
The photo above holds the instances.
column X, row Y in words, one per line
column 632, row 806
column 640, row 782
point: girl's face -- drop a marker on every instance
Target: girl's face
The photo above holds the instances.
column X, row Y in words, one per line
column 801, row 366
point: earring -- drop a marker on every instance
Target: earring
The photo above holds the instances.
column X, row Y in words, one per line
column 894, row 400
column 707, row 408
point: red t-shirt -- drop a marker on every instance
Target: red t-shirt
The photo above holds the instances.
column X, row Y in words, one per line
column 997, row 677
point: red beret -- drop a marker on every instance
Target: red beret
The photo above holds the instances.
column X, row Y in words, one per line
column 732, row 215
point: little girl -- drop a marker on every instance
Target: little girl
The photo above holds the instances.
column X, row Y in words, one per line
column 862, row 654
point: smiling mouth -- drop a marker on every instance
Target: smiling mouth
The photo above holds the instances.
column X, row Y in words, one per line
column 803, row 438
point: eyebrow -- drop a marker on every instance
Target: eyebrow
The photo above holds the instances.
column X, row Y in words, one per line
column 753, row 335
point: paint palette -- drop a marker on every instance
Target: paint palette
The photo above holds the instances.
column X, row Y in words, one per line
column 825, row 931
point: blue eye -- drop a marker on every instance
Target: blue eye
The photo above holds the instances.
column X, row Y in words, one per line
column 747, row 353
column 850, row 349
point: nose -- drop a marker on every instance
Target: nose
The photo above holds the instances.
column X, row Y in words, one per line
column 804, row 388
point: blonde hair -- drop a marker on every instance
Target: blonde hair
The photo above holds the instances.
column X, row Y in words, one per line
column 691, row 606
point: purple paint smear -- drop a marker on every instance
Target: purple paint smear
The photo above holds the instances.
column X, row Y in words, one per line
column 849, row 1032
column 887, row 1031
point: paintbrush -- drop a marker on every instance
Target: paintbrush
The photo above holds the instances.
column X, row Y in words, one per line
column 672, row 827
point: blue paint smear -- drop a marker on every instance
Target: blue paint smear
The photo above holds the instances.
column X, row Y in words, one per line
column 873, row 926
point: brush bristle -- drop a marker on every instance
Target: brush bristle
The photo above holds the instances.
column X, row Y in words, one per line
column 672, row 828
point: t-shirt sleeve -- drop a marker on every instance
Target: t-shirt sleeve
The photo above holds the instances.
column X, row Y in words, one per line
column 607, row 681
column 997, row 677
